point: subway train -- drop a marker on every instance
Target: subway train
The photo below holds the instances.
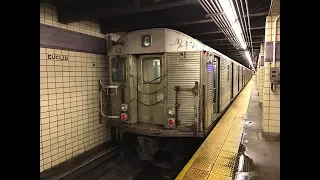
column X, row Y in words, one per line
column 165, row 85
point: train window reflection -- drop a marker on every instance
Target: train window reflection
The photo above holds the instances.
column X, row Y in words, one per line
column 118, row 69
column 151, row 70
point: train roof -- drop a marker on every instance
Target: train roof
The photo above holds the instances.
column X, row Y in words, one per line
column 162, row 40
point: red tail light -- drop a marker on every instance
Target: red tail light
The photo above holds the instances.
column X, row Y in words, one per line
column 171, row 122
column 124, row 116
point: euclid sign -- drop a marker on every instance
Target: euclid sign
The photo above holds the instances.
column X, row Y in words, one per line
column 57, row 57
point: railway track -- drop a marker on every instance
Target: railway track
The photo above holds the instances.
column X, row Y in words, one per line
column 111, row 163
column 121, row 167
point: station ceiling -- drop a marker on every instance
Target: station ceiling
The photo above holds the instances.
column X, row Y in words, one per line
column 187, row 16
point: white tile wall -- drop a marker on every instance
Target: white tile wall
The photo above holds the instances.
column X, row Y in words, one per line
column 48, row 16
column 261, row 74
column 271, row 99
column 69, row 96
column 69, row 105
column 269, row 31
column 271, row 103
column 257, row 77
column 261, row 80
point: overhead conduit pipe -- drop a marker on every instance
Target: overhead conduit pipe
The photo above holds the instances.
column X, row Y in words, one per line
column 215, row 9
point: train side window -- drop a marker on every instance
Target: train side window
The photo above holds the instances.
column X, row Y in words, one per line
column 228, row 73
column 151, row 70
column 118, row 69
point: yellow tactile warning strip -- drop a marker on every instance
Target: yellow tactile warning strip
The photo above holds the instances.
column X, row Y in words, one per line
column 216, row 157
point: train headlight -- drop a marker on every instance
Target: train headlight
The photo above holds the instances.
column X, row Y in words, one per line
column 124, row 107
column 172, row 111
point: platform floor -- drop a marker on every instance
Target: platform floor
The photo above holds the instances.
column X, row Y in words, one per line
column 216, row 158
column 264, row 154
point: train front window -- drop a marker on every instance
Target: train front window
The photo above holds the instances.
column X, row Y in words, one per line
column 151, row 70
column 118, row 69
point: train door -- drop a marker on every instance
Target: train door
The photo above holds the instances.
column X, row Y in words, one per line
column 211, row 90
column 242, row 72
column 150, row 89
column 238, row 69
column 244, row 77
column 232, row 79
column 116, row 89
column 216, row 75
column 208, row 93
column 241, row 81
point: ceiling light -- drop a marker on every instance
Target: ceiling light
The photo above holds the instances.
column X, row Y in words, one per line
column 230, row 13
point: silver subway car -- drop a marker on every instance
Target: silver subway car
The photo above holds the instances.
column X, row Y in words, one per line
column 165, row 83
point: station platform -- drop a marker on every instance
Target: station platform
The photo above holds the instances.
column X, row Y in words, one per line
column 217, row 157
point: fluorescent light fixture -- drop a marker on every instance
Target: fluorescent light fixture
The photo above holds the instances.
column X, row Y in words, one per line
column 248, row 57
column 230, row 12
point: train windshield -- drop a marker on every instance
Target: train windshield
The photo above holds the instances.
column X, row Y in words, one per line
column 118, row 69
column 151, row 70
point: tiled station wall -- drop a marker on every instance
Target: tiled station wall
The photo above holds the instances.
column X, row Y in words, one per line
column 271, row 99
column 69, row 89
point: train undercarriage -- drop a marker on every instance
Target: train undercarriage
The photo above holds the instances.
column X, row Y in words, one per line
column 164, row 152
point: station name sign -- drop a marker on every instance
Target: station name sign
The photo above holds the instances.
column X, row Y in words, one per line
column 58, row 57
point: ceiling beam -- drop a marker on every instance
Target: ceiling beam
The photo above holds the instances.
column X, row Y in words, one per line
column 215, row 32
column 256, row 7
column 103, row 10
column 257, row 42
column 225, row 39
column 250, row 15
column 228, row 49
column 176, row 21
column 210, row 44
column 256, row 14
column 139, row 22
column 210, row 20
column 217, row 45
column 135, row 24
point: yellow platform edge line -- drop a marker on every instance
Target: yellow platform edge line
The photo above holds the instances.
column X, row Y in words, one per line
column 239, row 105
column 238, row 124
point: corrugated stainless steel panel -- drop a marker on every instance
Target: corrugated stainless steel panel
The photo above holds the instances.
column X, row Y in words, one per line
column 182, row 69
column 235, row 79
column 225, row 79
column 209, row 95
